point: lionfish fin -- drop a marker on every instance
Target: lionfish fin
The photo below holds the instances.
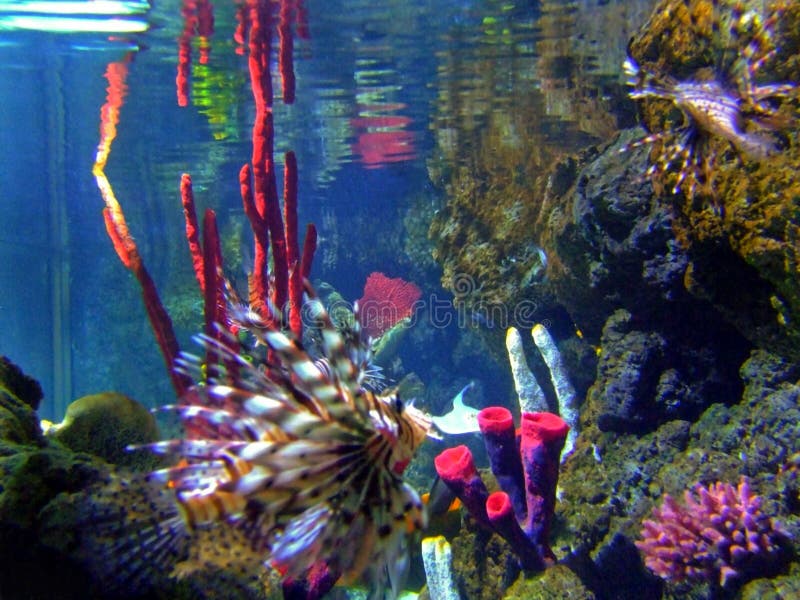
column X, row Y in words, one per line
column 333, row 344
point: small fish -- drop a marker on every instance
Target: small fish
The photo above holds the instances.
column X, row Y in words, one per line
column 440, row 499
column 462, row 419
column 305, row 461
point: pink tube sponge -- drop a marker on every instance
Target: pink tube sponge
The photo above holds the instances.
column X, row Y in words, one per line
column 500, row 438
column 542, row 437
column 457, row 470
column 543, row 427
column 496, row 420
column 526, row 468
column 504, row 521
column 498, row 506
column 455, row 464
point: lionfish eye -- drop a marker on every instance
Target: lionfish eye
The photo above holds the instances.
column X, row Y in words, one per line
column 398, row 404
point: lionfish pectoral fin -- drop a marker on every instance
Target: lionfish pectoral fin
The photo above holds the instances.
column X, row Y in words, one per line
column 297, row 548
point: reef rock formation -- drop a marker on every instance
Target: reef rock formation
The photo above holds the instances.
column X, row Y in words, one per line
column 619, row 271
column 32, row 472
column 610, row 486
column 743, row 257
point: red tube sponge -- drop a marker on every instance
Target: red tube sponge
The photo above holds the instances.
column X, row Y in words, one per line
column 457, row 470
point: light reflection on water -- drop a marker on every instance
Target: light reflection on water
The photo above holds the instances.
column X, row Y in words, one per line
column 390, row 95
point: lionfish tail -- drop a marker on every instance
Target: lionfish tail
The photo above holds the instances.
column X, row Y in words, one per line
column 131, row 535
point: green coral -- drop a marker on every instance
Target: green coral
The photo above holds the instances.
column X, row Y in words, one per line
column 483, row 563
column 104, row 425
column 19, row 398
column 778, row 588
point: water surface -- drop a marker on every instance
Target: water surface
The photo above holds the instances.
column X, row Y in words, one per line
column 390, row 96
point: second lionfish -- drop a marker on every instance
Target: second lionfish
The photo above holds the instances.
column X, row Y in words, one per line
column 722, row 100
column 298, row 454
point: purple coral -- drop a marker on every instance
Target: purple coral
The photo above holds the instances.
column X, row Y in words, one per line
column 720, row 535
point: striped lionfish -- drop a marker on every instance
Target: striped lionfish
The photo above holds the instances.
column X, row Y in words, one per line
column 298, row 455
column 729, row 104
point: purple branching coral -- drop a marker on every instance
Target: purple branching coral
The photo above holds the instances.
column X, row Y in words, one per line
column 720, row 535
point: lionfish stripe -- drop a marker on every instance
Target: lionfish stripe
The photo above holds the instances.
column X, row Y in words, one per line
column 263, row 406
column 280, row 342
column 212, row 416
column 333, row 481
column 326, row 392
column 271, row 401
column 198, row 475
column 307, row 371
column 304, row 476
column 299, row 451
column 250, row 483
column 203, row 508
column 333, row 345
column 186, row 447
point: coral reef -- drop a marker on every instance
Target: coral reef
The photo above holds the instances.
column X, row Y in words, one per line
column 32, row 472
column 611, row 484
column 652, row 374
column 692, row 305
column 618, row 269
column 556, row 583
column 693, row 311
column 437, row 556
column 718, row 534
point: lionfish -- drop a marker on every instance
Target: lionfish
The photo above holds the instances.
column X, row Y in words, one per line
column 297, row 455
column 728, row 105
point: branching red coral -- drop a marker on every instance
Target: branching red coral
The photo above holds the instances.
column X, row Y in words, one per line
column 192, row 229
column 257, row 183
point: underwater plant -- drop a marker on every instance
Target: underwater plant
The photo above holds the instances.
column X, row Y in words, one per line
column 718, row 535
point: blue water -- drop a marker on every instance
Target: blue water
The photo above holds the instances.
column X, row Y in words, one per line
column 72, row 316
